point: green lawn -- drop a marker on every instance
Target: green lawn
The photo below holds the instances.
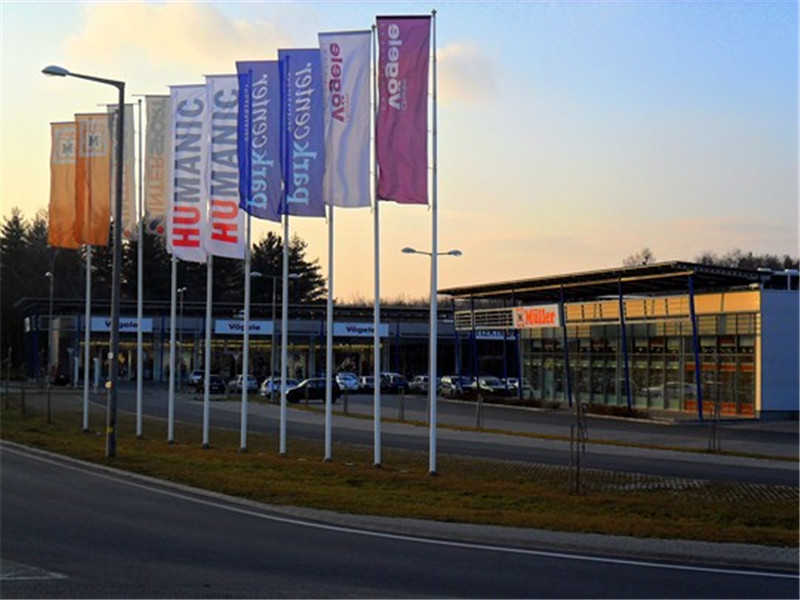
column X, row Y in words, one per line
column 466, row 490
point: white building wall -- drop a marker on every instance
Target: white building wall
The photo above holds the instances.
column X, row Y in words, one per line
column 780, row 355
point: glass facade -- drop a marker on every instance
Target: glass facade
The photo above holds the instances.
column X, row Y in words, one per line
column 660, row 352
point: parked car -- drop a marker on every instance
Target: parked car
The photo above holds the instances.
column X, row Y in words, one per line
column 196, row 376
column 312, row 389
column 237, row 384
column 348, row 382
column 216, row 385
column 394, row 383
column 488, row 385
column 418, row 385
column 453, row 386
column 366, row 383
column 274, row 384
column 512, row 383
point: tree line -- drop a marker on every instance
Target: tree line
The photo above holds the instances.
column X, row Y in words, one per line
column 25, row 258
column 736, row 259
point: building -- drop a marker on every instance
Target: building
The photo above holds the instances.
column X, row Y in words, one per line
column 672, row 336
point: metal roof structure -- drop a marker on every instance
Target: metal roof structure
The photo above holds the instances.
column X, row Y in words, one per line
column 654, row 279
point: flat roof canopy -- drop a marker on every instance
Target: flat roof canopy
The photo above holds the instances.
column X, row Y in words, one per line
column 657, row 278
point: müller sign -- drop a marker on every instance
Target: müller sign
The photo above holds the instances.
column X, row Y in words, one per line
column 535, row 317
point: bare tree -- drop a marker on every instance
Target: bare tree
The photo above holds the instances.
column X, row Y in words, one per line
column 644, row 257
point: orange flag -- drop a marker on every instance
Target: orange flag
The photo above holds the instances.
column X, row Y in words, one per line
column 61, row 218
column 93, row 179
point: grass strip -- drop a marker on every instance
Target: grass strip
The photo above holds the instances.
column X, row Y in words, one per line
column 467, row 490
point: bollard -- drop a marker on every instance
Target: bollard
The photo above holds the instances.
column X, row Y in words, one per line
column 401, row 407
column 479, row 412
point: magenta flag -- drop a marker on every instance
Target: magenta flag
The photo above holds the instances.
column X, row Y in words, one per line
column 402, row 124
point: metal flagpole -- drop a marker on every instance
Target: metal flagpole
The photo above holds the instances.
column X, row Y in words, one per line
column 207, row 378
column 87, row 336
column 434, row 334
column 246, row 339
column 376, row 339
column 329, row 344
column 173, row 309
column 140, row 292
column 284, row 330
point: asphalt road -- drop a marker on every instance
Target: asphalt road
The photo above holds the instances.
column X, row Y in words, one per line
column 755, row 438
column 72, row 530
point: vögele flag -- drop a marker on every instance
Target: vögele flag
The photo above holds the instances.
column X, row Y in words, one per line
column 402, row 124
column 345, row 68
column 61, row 213
column 259, row 138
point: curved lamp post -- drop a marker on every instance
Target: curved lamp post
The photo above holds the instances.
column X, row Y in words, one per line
column 113, row 352
column 434, row 338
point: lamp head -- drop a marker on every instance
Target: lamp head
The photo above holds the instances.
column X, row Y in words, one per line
column 49, row 275
column 256, row 274
column 55, row 71
column 454, row 253
column 408, row 250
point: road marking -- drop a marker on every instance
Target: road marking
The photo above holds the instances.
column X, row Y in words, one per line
column 120, row 477
column 13, row 571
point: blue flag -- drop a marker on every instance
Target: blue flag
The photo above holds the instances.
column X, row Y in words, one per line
column 259, row 139
column 303, row 138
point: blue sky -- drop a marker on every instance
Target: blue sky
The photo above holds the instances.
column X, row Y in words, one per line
column 571, row 134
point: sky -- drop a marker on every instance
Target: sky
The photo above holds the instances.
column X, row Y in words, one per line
column 570, row 134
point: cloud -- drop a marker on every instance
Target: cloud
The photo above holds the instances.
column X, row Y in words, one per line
column 183, row 35
column 466, row 74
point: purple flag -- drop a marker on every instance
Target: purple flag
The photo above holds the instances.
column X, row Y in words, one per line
column 303, row 132
column 402, row 123
column 259, row 138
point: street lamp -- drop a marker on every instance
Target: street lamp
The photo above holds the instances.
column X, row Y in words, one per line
column 432, row 352
column 49, row 276
column 408, row 250
column 113, row 353
column 181, row 291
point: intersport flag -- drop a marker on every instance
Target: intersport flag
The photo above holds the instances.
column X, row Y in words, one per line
column 224, row 235
column 61, row 212
column 188, row 192
column 129, row 223
column 259, row 138
column 345, row 69
column 156, row 164
column 402, row 123
column 93, row 179
column 303, row 132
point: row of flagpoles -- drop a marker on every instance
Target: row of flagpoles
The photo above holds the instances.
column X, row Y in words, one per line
column 279, row 138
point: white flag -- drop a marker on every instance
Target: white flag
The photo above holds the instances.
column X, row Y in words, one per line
column 188, row 178
column 224, row 235
column 156, row 164
column 129, row 229
column 345, row 69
